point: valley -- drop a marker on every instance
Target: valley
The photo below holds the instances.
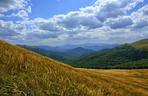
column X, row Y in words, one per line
column 73, row 47
column 127, row 56
column 23, row 72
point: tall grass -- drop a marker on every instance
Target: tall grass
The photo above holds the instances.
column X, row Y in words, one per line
column 23, row 73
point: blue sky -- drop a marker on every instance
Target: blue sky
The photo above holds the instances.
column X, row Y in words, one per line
column 55, row 7
column 61, row 22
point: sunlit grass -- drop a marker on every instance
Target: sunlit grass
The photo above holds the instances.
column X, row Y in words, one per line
column 23, row 73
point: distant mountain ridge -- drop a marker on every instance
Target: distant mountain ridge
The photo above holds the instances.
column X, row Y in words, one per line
column 78, row 51
column 98, row 47
column 67, row 53
column 49, row 53
column 65, row 56
column 135, row 54
column 64, row 48
column 127, row 56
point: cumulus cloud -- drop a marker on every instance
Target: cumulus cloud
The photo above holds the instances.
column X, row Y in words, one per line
column 119, row 22
column 39, row 34
column 50, row 27
column 113, row 8
column 6, row 5
column 21, row 13
column 140, row 17
column 78, row 20
column 5, row 32
column 16, row 8
column 141, row 24
column 94, row 16
column 104, row 21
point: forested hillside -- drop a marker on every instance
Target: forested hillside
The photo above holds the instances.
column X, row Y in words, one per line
column 133, row 55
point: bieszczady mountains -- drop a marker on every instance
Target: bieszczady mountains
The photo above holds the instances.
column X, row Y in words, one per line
column 25, row 73
column 127, row 56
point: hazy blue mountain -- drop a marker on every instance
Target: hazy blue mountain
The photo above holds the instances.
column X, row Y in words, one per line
column 133, row 55
column 66, row 56
column 98, row 47
column 92, row 46
column 52, row 54
column 46, row 48
column 76, row 52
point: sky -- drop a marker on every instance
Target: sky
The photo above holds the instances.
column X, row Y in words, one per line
column 63, row 22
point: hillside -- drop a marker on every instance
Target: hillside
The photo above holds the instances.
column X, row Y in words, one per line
column 24, row 73
column 98, row 47
column 49, row 53
column 128, row 53
column 142, row 44
column 66, row 56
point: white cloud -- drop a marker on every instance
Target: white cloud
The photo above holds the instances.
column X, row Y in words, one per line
column 21, row 14
column 6, row 5
column 16, row 8
column 105, row 21
column 120, row 22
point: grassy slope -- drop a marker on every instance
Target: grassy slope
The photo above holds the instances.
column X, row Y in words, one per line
column 24, row 72
column 122, row 82
column 143, row 44
column 52, row 54
column 130, row 53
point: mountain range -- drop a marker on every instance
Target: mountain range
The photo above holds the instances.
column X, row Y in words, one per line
column 26, row 73
column 65, row 56
column 126, row 56
column 134, row 55
column 67, row 53
column 95, row 47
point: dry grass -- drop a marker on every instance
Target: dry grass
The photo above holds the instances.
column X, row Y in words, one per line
column 23, row 73
column 123, row 82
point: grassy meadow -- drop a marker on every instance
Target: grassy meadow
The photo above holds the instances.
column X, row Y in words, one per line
column 24, row 73
column 121, row 82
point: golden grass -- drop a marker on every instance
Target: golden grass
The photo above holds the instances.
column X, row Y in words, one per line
column 143, row 44
column 26, row 73
column 124, row 82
